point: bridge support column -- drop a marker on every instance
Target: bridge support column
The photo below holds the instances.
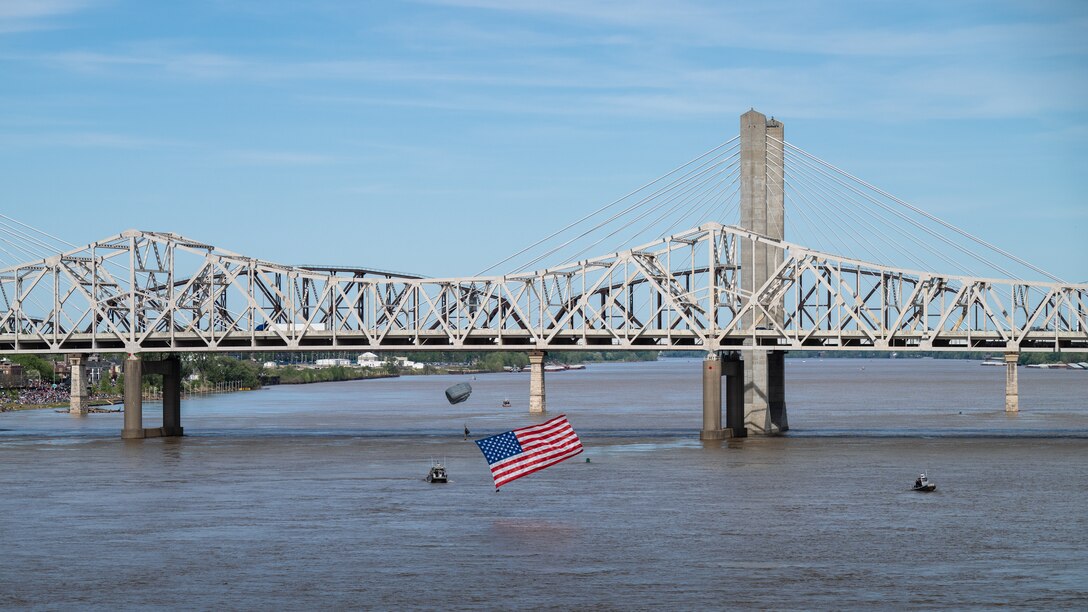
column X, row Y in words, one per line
column 712, row 398
column 135, row 368
column 134, row 401
column 79, row 399
column 537, row 405
column 714, row 368
column 1012, row 387
column 776, row 392
column 765, row 392
column 171, row 396
column 762, row 211
column 733, row 370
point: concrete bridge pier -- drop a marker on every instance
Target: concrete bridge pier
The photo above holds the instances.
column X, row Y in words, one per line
column 733, row 371
column 765, row 392
column 712, row 398
column 1012, row 387
column 170, row 369
column 776, row 380
column 79, row 399
column 762, row 210
column 714, row 368
column 537, row 405
column 134, row 400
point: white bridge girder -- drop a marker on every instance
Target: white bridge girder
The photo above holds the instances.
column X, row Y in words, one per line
column 158, row 292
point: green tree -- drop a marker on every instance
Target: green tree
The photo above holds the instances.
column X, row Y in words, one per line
column 221, row 368
column 43, row 366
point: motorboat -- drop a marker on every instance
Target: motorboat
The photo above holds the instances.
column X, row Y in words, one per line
column 506, row 403
column 923, row 484
column 437, row 474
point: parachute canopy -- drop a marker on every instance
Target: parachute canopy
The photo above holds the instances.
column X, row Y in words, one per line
column 458, row 393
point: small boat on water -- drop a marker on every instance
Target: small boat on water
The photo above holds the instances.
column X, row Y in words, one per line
column 506, row 403
column 923, row 484
column 437, row 474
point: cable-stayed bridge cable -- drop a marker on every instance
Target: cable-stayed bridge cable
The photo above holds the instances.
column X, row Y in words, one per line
column 607, row 206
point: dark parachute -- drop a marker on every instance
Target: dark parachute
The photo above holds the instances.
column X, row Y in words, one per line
column 458, row 393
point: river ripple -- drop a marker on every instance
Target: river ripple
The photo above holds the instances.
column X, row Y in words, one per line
column 311, row 496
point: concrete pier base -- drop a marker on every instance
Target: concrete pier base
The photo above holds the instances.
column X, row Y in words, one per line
column 170, row 368
column 765, row 392
column 733, row 371
column 537, row 404
column 80, row 400
column 712, row 399
column 776, row 390
column 714, row 368
column 134, row 401
column 1012, row 387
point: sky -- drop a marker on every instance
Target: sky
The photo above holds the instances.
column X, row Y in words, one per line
column 439, row 136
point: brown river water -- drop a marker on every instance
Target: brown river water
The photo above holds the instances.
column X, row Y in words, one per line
column 307, row 497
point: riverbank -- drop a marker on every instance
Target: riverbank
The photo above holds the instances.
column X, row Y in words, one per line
column 18, row 407
column 304, row 380
column 96, row 403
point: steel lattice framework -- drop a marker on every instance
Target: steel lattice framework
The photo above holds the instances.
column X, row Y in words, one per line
column 159, row 292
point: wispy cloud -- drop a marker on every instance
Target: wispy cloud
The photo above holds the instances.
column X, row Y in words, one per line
column 149, row 61
column 278, row 158
column 799, row 26
column 687, row 60
column 84, row 140
column 27, row 15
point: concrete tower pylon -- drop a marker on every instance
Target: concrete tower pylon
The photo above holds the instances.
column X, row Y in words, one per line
column 763, row 211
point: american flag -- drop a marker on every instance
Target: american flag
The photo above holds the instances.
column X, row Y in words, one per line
column 525, row 450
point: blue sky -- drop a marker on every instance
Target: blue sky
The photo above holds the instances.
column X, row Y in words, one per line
column 439, row 136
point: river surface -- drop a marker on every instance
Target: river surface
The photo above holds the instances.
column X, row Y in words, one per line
column 311, row 496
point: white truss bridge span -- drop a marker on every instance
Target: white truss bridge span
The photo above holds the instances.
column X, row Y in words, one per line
column 148, row 292
column 856, row 274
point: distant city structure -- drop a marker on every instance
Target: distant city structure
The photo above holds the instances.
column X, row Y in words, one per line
column 369, row 360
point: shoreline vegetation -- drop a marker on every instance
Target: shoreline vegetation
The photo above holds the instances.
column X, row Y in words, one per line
column 242, row 372
column 439, row 363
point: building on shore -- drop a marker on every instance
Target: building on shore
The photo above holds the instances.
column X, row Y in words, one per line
column 369, row 360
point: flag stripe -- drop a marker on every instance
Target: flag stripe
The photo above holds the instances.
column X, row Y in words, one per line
column 542, row 445
column 543, row 434
column 523, row 466
column 519, row 461
column 501, row 481
column 551, row 439
column 541, row 429
column 516, row 471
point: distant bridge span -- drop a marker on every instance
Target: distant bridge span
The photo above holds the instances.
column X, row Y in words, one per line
column 149, row 292
column 741, row 293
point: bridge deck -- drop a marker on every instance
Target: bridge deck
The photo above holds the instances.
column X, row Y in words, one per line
column 521, row 341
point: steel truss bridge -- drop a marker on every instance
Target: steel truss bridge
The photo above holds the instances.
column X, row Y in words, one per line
column 148, row 292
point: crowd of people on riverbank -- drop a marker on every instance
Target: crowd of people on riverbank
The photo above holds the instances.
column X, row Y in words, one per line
column 38, row 394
